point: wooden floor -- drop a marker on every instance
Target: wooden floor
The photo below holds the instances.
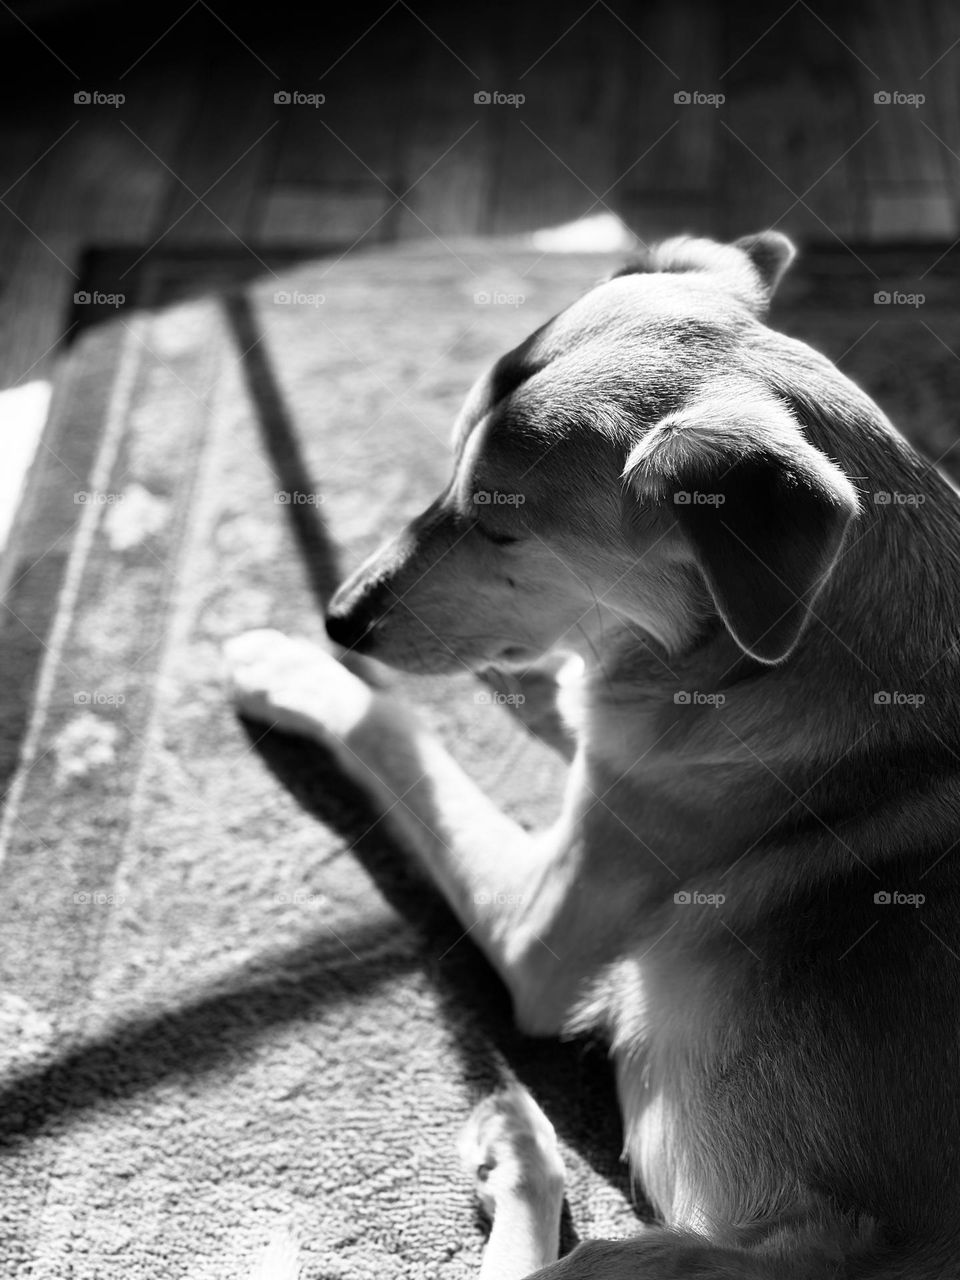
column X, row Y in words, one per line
column 202, row 153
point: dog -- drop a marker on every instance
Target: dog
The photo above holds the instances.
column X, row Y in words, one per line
column 751, row 891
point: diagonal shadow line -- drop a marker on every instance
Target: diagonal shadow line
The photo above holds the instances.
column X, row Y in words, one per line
column 273, row 989
column 276, row 987
column 139, row 1053
column 573, row 1081
column 283, row 448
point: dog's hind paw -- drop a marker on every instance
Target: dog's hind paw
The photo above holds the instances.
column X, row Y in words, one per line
column 293, row 684
column 509, row 1147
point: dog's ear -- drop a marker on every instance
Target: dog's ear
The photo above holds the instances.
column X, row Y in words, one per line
column 771, row 255
column 762, row 510
column 751, row 267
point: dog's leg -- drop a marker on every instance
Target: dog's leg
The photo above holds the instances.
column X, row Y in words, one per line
column 510, row 1149
column 535, row 697
column 483, row 862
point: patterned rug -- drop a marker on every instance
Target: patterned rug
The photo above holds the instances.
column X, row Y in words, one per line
column 225, row 1003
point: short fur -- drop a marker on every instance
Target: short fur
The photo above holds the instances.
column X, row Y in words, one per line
column 694, row 516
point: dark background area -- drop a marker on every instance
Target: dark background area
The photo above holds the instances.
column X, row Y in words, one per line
column 200, row 158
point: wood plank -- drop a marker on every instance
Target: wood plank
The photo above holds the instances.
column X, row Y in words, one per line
column 904, row 167
column 225, row 150
column 912, row 212
column 34, row 316
column 102, row 183
column 447, row 153
column 37, row 262
column 24, row 143
column 940, row 79
column 559, row 151
column 671, row 189
column 795, row 105
column 162, row 102
column 338, row 163
column 320, row 215
column 98, row 183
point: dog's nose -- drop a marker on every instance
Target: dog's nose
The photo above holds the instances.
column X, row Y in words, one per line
column 355, row 609
column 348, row 628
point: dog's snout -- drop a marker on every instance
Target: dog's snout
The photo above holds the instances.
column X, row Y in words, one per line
column 348, row 628
column 386, row 606
column 351, row 616
column 355, row 609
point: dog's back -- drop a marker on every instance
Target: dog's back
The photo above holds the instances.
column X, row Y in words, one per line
column 789, row 1057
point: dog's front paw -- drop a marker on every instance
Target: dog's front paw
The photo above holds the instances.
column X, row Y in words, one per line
column 293, row 684
column 509, row 1148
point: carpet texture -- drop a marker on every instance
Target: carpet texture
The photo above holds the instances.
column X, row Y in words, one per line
column 225, row 1003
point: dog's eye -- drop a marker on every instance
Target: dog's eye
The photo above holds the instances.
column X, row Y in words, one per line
column 499, row 539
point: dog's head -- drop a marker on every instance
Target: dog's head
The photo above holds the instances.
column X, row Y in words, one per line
column 625, row 465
